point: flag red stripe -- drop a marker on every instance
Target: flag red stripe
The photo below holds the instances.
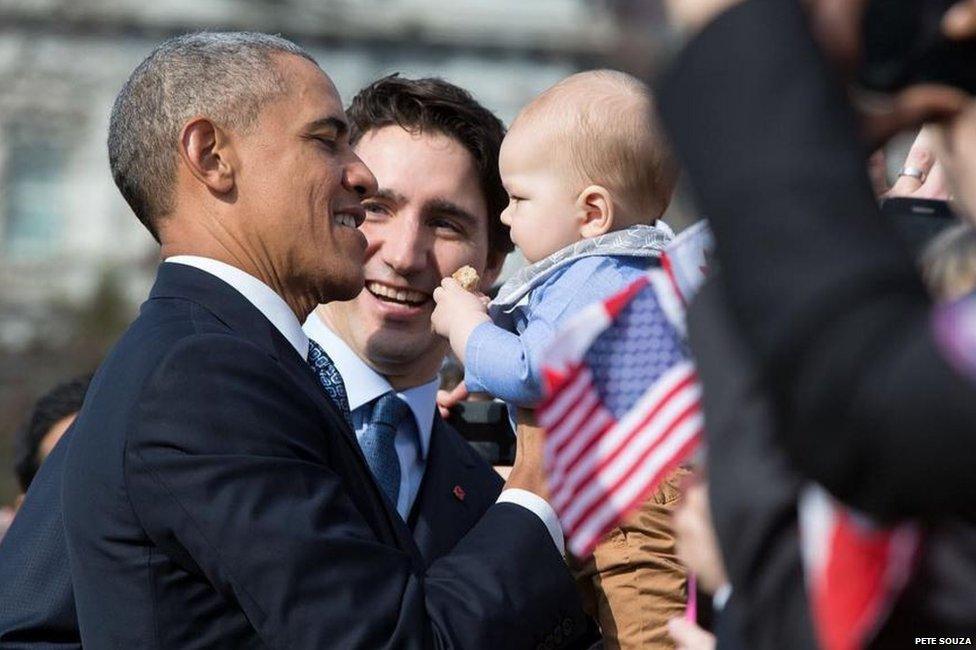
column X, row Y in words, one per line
column 615, row 304
column 583, row 481
column 557, row 382
column 851, row 590
column 574, row 418
column 691, row 410
column 552, row 414
column 669, row 271
column 564, row 464
column 583, row 547
column 561, row 436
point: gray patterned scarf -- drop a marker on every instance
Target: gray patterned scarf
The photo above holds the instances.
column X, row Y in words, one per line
column 636, row 241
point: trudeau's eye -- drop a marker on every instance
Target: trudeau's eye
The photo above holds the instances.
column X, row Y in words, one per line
column 375, row 209
column 448, row 224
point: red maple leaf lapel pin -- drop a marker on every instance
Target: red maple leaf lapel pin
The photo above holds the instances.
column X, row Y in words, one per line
column 459, row 492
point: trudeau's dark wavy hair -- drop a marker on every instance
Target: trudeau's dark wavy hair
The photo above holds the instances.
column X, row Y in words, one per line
column 434, row 105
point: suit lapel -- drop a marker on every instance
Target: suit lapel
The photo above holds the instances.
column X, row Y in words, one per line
column 441, row 514
column 235, row 311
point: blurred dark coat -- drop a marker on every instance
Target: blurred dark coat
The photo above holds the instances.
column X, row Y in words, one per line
column 752, row 488
column 37, row 605
column 830, row 308
column 826, row 296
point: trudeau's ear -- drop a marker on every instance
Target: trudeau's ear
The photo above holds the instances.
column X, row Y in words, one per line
column 206, row 152
column 595, row 207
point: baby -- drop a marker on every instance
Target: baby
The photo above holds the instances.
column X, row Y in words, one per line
column 588, row 175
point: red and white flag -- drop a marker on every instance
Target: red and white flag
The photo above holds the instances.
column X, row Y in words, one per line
column 855, row 568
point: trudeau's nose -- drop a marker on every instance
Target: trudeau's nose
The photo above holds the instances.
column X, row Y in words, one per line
column 405, row 246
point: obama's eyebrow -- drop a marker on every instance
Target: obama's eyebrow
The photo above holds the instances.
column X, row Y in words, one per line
column 338, row 126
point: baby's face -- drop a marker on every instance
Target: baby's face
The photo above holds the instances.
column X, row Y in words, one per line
column 542, row 210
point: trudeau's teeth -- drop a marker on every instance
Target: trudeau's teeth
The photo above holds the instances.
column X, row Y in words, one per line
column 400, row 295
column 345, row 220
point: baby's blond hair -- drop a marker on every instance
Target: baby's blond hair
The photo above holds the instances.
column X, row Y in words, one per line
column 606, row 119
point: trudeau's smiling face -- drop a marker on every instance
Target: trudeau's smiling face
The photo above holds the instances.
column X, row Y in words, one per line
column 427, row 219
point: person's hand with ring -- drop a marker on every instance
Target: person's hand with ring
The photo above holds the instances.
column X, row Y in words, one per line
column 922, row 176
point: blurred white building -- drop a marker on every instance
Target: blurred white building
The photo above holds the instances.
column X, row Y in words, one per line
column 63, row 223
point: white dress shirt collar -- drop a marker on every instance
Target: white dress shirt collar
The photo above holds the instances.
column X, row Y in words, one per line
column 269, row 303
column 363, row 384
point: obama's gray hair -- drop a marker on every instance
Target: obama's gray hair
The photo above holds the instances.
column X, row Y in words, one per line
column 226, row 77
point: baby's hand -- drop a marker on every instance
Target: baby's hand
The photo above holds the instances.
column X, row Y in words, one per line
column 457, row 313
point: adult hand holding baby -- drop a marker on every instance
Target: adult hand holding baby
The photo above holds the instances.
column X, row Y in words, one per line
column 528, row 472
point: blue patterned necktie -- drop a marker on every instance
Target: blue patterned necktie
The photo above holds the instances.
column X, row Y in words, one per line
column 378, row 442
column 329, row 377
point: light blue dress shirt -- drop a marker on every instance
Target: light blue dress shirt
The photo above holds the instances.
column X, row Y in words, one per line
column 363, row 385
column 502, row 357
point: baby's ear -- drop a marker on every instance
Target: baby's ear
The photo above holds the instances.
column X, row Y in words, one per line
column 595, row 205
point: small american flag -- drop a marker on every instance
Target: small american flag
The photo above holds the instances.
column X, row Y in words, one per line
column 621, row 409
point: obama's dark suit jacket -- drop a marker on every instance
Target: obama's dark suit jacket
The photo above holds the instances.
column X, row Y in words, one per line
column 213, row 496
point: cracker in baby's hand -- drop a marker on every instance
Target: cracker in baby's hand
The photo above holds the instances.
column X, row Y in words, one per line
column 467, row 277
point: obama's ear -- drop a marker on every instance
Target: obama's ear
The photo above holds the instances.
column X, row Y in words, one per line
column 206, row 152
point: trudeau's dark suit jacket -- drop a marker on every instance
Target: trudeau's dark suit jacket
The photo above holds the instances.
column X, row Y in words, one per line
column 214, row 497
column 442, row 514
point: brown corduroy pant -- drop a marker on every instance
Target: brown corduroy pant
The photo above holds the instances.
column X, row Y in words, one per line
column 634, row 582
